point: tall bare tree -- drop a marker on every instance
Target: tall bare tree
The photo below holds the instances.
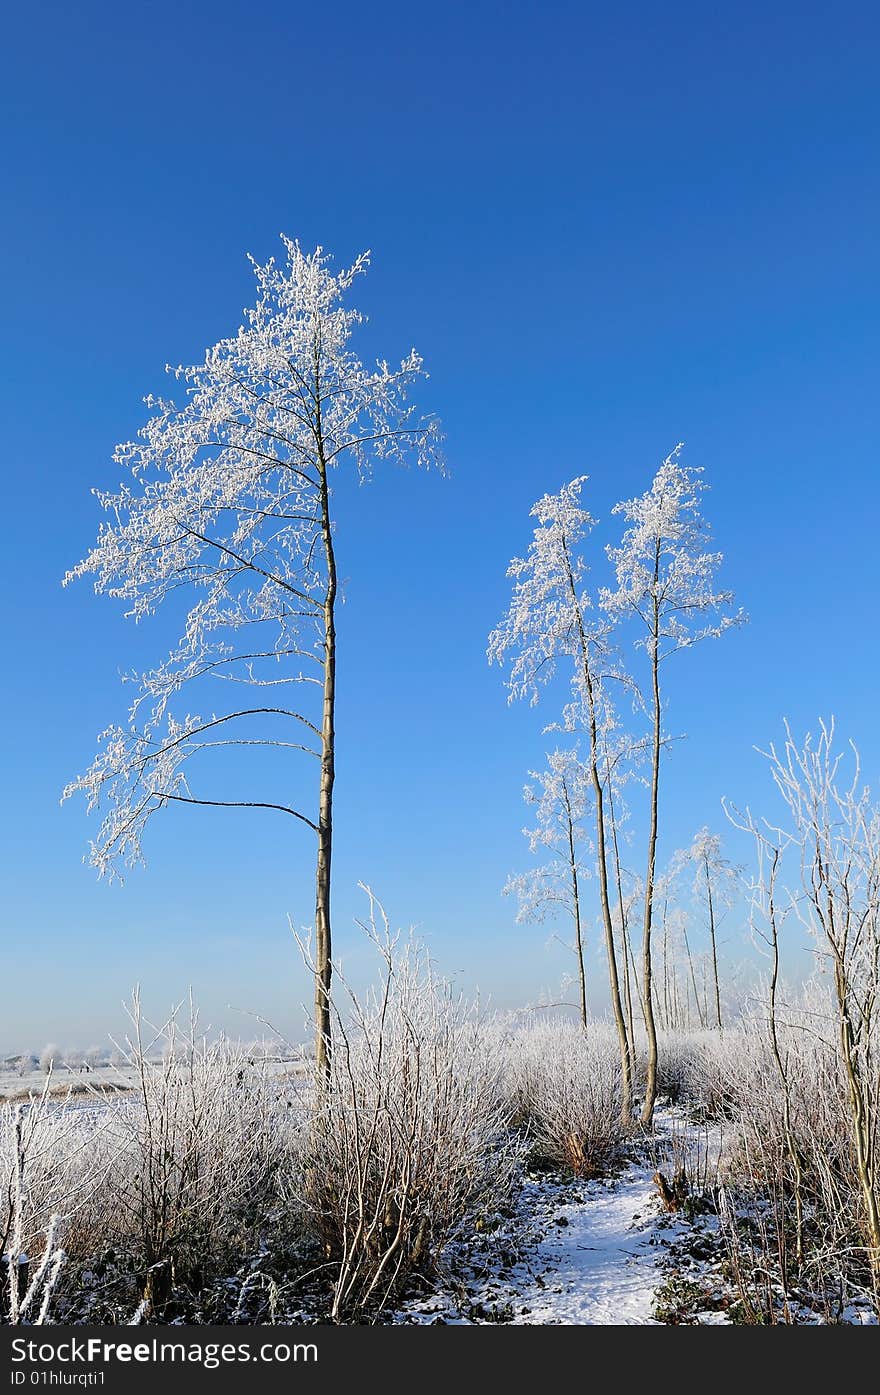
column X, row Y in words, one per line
column 230, row 507
column 666, row 582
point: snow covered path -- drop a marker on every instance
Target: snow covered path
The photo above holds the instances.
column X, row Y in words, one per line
column 573, row 1251
column 599, row 1267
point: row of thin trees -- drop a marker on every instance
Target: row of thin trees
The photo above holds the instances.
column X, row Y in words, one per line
column 665, row 594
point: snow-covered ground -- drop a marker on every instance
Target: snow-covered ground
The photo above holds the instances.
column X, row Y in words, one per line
column 575, row 1252
column 20, row 1085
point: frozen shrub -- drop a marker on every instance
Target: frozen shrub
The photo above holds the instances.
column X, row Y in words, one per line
column 27, row 1285
column 196, row 1153
column 727, row 1067
column 52, row 1164
column 787, row 1160
column 410, row 1136
column 679, row 1064
column 566, row 1086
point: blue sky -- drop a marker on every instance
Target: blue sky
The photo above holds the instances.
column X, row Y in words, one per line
column 607, row 230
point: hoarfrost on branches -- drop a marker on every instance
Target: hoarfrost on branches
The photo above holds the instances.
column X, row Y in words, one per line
column 551, row 615
column 228, row 504
column 665, row 575
column 561, row 799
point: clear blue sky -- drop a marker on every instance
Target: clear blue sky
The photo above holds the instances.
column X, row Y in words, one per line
column 607, row 229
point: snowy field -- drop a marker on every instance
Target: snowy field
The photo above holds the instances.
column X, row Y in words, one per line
column 16, row 1084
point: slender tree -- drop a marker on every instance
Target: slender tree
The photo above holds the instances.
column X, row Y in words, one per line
column 714, row 883
column 552, row 618
column 619, row 754
column 666, row 582
column 560, row 796
column 230, row 506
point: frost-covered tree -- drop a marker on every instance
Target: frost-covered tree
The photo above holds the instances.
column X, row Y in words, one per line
column 229, row 508
column 666, row 583
column 561, row 799
column 715, row 879
column 551, row 620
column 50, row 1057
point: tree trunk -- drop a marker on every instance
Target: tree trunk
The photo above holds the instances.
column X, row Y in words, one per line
column 614, row 983
column 790, row 1142
column 714, row 947
column 601, row 848
column 624, row 930
column 667, row 1010
column 323, row 943
column 576, row 904
column 602, row 854
column 647, row 983
column 696, row 992
column 861, row 1122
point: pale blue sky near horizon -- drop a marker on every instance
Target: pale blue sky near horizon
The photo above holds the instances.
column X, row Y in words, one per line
column 606, row 232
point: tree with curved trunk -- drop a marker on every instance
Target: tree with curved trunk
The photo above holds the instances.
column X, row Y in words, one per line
column 230, row 509
column 552, row 618
column 666, row 583
column 560, row 796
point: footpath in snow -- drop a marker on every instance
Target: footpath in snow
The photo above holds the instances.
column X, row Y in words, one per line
column 573, row 1252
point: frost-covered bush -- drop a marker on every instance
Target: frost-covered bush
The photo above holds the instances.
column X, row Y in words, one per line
column 60, row 1156
column 196, row 1154
column 680, row 1062
column 736, row 1079
column 787, row 1156
column 816, row 1091
column 411, row 1135
column 153, row 1194
column 565, row 1083
column 725, row 1067
column 28, row 1279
